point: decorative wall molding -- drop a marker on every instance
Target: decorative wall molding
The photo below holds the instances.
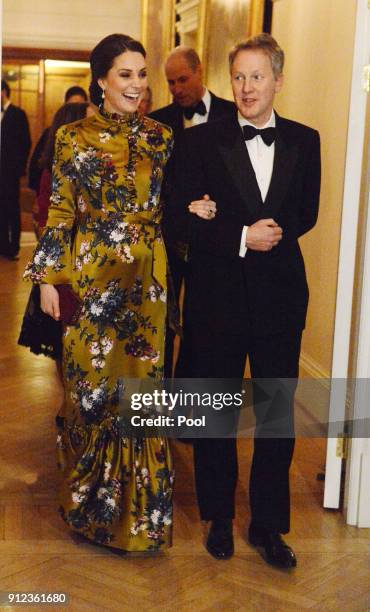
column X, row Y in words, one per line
column 315, row 397
column 70, row 24
column 313, row 390
column 45, row 41
column 188, row 11
column 39, row 53
column 312, row 369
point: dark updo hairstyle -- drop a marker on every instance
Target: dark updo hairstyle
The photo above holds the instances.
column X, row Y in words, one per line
column 72, row 111
column 102, row 58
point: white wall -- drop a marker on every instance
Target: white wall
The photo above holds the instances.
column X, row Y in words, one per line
column 67, row 24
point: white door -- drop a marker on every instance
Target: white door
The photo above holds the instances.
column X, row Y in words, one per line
column 357, row 499
column 347, row 254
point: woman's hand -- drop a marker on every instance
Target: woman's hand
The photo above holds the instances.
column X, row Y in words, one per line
column 49, row 298
column 205, row 209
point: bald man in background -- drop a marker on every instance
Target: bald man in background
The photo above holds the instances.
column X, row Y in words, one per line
column 192, row 105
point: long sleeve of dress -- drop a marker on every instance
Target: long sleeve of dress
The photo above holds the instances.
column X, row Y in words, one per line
column 51, row 262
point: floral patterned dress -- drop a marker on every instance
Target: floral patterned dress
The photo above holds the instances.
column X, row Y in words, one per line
column 103, row 237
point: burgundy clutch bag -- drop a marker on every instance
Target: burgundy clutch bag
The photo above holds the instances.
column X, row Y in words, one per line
column 70, row 304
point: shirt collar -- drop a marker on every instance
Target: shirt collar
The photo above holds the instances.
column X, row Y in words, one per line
column 6, row 105
column 270, row 123
column 207, row 100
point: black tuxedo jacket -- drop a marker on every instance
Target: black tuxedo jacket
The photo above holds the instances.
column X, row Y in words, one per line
column 265, row 291
column 15, row 143
column 172, row 114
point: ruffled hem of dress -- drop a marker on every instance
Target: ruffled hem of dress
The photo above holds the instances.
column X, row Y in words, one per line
column 116, row 491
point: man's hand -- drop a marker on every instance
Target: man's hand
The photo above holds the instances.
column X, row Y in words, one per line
column 49, row 298
column 205, row 209
column 263, row 235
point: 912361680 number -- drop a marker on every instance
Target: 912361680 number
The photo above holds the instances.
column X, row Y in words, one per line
column 30, row 598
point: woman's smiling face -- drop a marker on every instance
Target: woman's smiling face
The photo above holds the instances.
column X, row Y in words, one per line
column 125, row 83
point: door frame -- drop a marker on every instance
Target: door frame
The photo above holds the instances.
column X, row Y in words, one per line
column 346, row 277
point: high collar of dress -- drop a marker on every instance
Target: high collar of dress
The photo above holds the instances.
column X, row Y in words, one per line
column 131, row 120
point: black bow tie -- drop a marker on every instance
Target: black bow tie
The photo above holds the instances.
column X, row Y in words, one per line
column 267, row 134
column 200, row 108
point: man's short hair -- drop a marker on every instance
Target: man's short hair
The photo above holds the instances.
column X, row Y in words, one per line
column 5, row 87
column 265, row 43
column 190, row 55
column 75, row 90
column 192, row 58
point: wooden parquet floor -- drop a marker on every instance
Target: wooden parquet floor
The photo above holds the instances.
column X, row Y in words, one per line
column 38, row 553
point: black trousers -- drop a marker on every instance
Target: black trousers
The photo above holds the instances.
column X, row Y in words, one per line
column 178, row 268
column 10, row 216
column 215, row 459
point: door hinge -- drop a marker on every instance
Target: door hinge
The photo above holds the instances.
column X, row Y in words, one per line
column 366, row 78
column 342, row 446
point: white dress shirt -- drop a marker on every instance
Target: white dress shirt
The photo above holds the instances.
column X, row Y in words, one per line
column 198, row 119
column 262, row 160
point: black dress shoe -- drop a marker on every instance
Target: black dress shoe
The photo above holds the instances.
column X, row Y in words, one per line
column 274, row 550
column 220, row 542
column 13, row 255
column 9, row 256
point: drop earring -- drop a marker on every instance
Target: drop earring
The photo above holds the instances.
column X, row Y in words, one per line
column 103, row 94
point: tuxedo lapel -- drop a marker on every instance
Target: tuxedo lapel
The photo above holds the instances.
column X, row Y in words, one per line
column 285, row 159
column 235, row 156
column 213, row 115
column 178, row 119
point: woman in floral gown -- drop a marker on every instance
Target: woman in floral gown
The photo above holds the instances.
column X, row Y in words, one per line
column 116, row 490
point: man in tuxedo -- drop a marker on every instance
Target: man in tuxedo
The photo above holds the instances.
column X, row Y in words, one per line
column 246, row 287
column 15, row 147
column 192, row 105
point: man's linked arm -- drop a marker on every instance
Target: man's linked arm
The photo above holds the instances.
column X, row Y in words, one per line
column 219, row 236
